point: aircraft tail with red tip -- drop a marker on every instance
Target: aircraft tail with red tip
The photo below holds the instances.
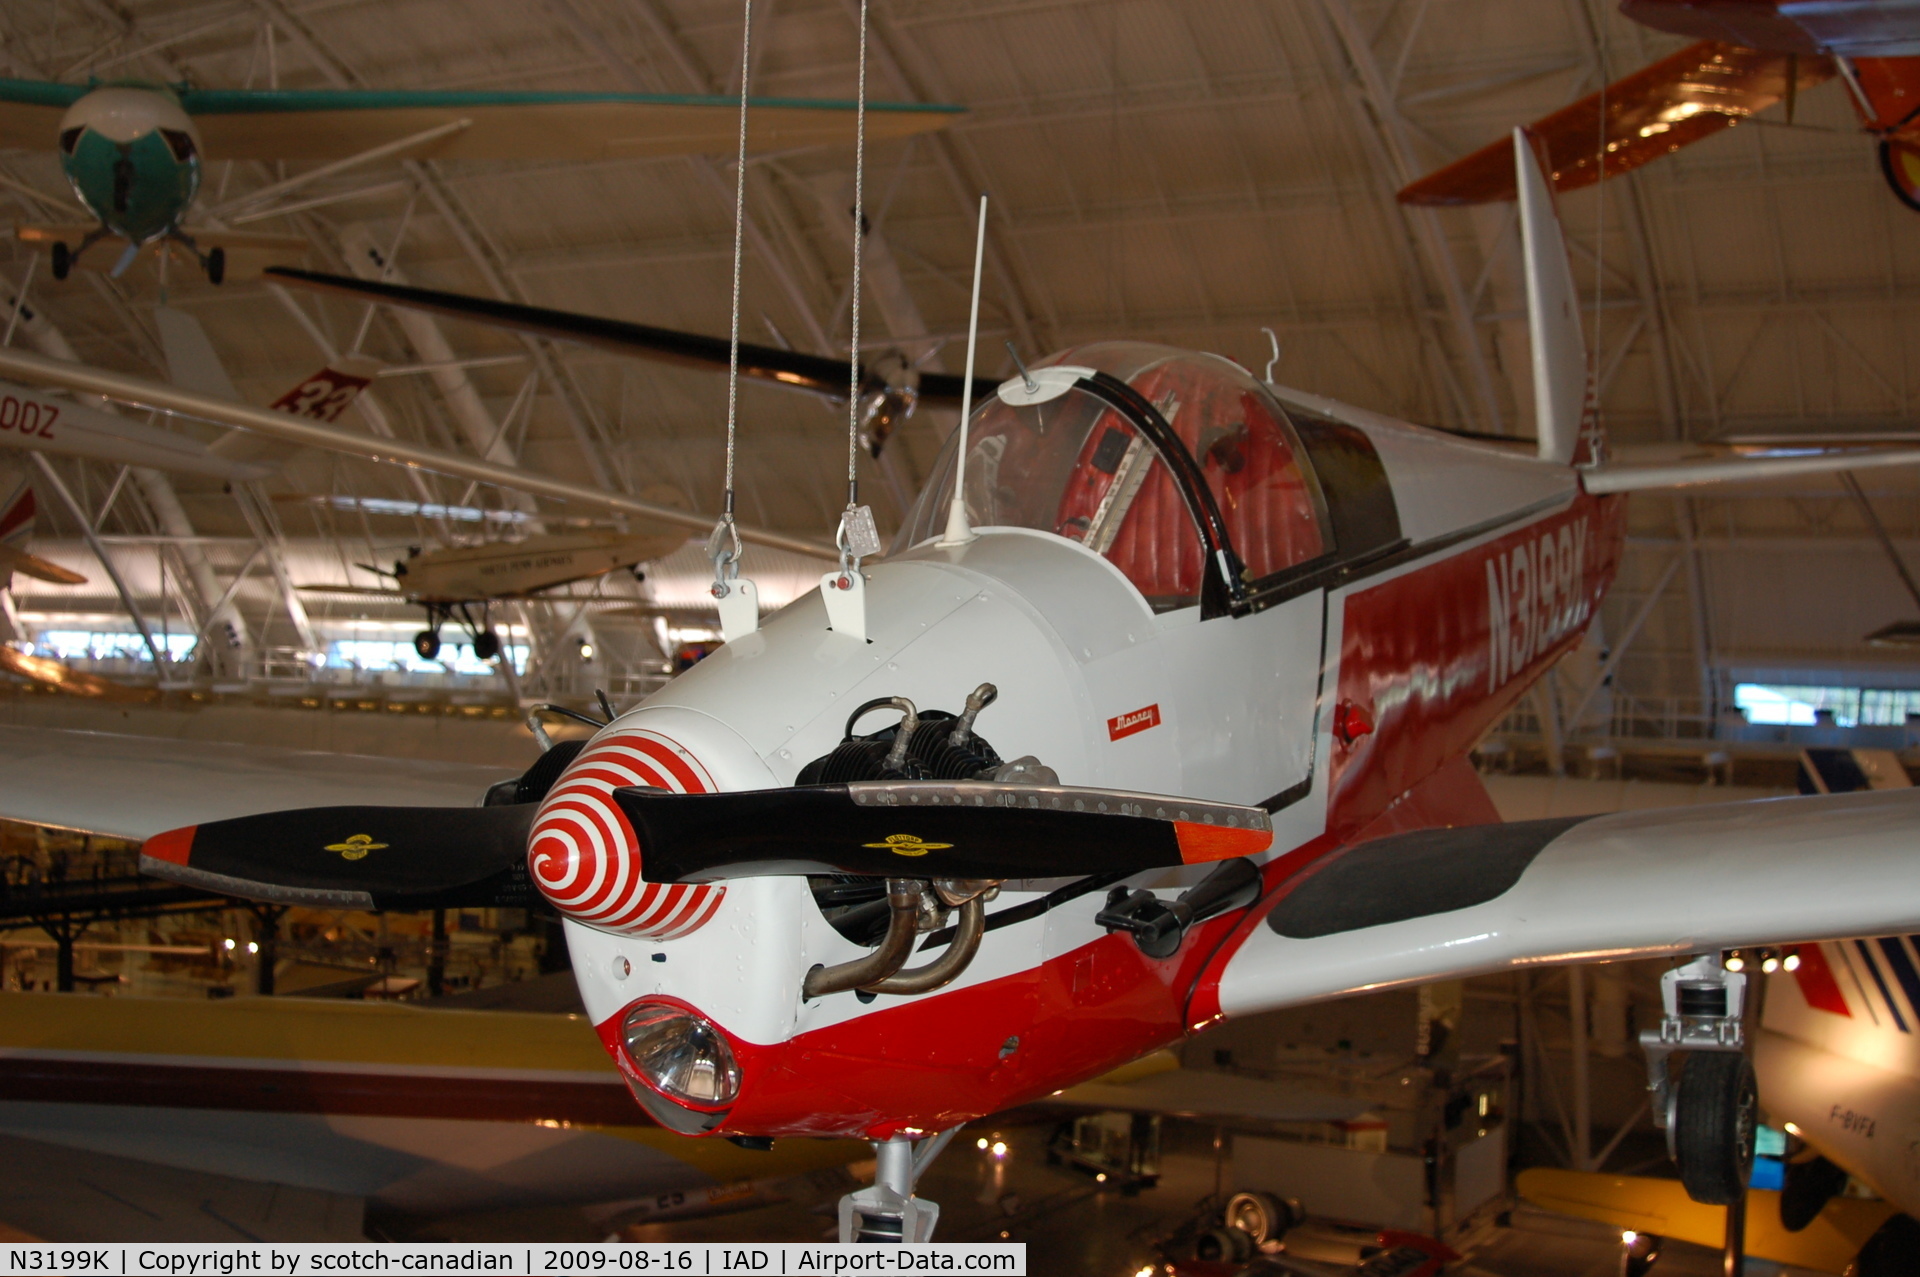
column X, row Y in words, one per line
column 16, row 529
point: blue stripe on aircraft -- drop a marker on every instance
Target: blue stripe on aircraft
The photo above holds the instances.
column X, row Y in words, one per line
column 1873, row 969
column 1902, row 969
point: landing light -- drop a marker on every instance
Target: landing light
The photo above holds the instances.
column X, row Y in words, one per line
column 981, row 1143
column 1769, row 965
column 1101, row 1178
column 230, row 944
column 999, row 1148
column 253, row 946
column 1629, row 1237
column 1734, row 962
column 1791, row 962
column 1790, row 1129
column 681, row 1055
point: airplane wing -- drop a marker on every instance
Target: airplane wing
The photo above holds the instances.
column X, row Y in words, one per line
column 304, row 432
column 1221, row 1097
column 136, row 786
column 35, row 421
column 1661, row 1207
column 64, row 678
column 335, row 124
column 1679, row 100
column 816, row 374
column 1448, row 903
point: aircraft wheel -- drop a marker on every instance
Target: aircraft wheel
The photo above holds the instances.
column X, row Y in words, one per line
column 427, row 643
column 216, row 265
column 62, row 260
column 1261, row 1216
column 1810, row 1186
column 1714, row 1124
column 1893, row 1251
column 1223, row 1246
column 486, row 645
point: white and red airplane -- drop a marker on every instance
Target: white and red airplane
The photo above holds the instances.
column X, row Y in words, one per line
column 1231, row 663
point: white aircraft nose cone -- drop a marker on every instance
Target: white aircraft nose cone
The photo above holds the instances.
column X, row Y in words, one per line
column 584, row 856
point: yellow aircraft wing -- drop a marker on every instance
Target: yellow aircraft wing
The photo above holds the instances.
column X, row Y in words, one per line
column 335, row 124
column 1662, row 1207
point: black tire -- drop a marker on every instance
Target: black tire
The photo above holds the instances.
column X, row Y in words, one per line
column 216, row 266
column 62, row 260
column 486, row 645
column 1223, row 1246
column 1810, row 1186
column 1261, row 1216
column 1893, row 1251
column 1901, row 191
column 427, row 643
column 1714, row 1125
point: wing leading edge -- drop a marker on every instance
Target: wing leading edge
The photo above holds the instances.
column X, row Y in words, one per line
column 1447, row 903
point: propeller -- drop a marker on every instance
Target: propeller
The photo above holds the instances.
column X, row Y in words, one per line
column 427, row 857
column 931, row 829
column 892, row 381
column 356, row 857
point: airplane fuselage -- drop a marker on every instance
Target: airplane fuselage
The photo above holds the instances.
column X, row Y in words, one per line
column 1836, row 1056
column 132, row 155
column 1345, row 703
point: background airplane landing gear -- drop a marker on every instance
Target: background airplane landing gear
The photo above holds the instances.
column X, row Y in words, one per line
column 1714, row 1124
column 216, row 265
column 486, row 644
column 427, row 643
column 62, row 259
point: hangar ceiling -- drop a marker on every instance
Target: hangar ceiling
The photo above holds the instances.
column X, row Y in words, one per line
column 1167, row 171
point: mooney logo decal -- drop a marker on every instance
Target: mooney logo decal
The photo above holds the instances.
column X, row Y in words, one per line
column 356, row 847
column 1137, row 721
column 907, row 845
column 1536, row 594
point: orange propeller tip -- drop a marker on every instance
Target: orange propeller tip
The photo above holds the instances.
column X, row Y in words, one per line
column 174, row 846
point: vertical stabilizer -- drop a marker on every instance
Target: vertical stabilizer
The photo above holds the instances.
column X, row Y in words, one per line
column 1553, row 314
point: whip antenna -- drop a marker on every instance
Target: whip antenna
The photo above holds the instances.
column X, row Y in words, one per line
column 959, row 531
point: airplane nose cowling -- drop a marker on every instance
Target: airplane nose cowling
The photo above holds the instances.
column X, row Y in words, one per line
column 583, row 854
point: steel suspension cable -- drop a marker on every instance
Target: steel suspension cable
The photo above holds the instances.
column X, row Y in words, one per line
column 859, row 237
column 724, row 546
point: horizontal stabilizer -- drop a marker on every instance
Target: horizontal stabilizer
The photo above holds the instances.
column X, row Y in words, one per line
column 1693, row 94
column 12, row 560
column 1443, row 904
column 1737, row 469
column 931, row 829
column 355, row 857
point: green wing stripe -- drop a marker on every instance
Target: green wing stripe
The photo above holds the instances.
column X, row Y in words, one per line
column 46, row 93
column 290, row 101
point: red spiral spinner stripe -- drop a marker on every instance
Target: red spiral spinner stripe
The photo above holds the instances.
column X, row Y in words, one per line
column 584, row 856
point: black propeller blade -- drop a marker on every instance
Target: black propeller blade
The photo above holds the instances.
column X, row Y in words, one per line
column 931, row 829
column 816, row 373
column 356, row 857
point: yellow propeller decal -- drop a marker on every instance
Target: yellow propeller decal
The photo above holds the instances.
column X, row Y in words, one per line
column 356, row 847
column 907, row 845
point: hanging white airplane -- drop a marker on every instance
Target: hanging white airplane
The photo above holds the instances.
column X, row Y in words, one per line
column 1231, row 662
column 451, row 583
